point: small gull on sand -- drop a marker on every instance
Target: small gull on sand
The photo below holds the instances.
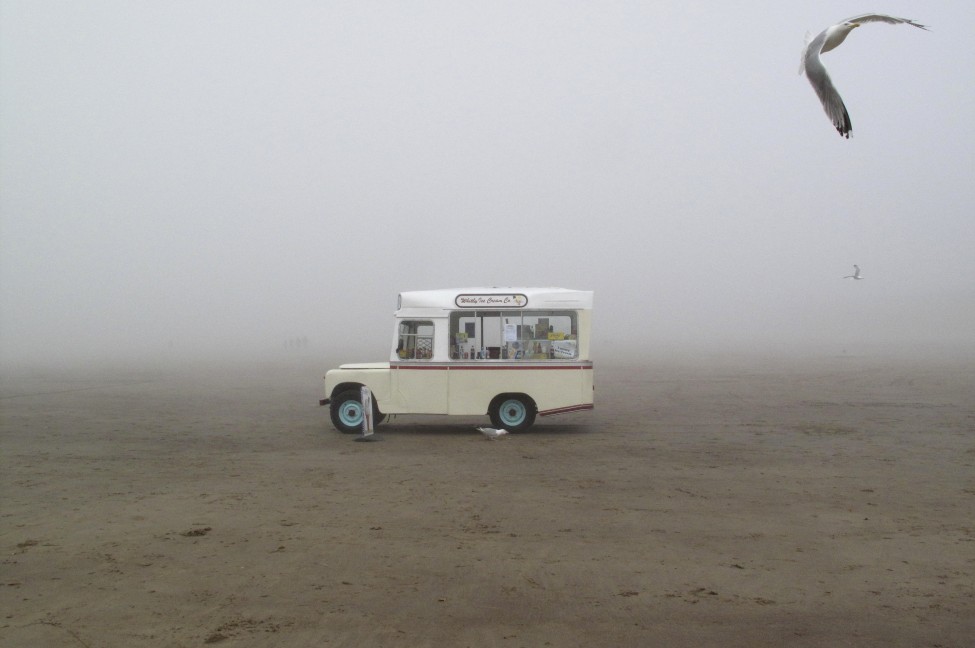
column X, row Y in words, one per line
column 491, row 433
column 828, row 39
column 856, row 273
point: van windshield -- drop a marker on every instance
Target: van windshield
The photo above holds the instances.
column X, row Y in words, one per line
column 513, row 335
column 415, row 340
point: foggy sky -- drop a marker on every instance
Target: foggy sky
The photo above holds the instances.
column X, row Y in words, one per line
column 185, row 178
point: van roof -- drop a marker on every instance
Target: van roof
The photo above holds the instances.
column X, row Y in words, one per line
column 497, row 298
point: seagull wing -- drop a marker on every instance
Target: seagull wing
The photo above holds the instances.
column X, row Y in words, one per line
column 823, row 85
column 890, row 20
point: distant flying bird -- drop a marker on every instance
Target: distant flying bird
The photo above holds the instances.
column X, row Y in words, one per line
column 828, row 39
column 856, row 273
column 491, row 433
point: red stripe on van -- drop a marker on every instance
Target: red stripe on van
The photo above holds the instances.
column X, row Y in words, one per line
column 563, row 410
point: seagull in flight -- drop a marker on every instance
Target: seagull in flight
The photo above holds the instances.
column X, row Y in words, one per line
column 829, row 39
column 856, row 273
column 491, row 433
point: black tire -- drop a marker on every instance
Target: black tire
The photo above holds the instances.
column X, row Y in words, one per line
column 512, row 412
column 346, row 412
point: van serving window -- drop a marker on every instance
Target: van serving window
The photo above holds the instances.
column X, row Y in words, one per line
column 513, row 335
column 415, row 340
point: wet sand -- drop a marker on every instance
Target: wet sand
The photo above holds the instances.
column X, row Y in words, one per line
column 714, row 502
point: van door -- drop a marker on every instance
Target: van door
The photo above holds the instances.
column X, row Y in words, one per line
column 419, row 384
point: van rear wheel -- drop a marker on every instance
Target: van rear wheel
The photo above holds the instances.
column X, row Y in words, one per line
column 512, row 412
column 347, row 413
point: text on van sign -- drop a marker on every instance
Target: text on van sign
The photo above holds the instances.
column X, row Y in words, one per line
column 480, row 301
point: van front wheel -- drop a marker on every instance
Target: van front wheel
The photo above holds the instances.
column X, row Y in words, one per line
column 347, row 413
column 512, row 412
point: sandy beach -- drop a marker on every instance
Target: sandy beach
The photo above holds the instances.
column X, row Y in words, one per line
column 708, row 502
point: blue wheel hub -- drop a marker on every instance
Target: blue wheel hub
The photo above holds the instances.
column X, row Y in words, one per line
column 512, row 412
column 350, row 413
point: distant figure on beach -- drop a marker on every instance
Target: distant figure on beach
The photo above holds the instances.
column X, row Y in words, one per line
column 856, row 273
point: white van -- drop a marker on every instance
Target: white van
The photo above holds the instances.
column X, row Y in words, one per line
column 510, row 353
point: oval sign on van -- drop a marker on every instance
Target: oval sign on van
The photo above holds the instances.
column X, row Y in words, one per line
column 516, row 300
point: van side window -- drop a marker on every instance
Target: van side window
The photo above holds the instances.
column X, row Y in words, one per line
column 415, row 340
column 513, row 335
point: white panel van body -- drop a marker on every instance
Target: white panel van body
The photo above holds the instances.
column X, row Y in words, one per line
column 510, row 353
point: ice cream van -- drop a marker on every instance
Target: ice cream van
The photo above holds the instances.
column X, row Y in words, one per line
column 510, row 353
